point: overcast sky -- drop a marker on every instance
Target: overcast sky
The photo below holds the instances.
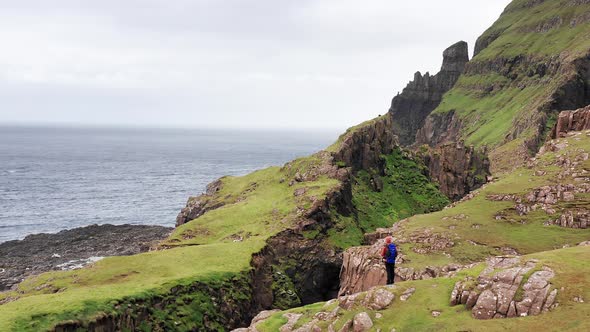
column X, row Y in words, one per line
column 222, row 63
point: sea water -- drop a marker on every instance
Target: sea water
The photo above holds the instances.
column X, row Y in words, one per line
column 53, row 179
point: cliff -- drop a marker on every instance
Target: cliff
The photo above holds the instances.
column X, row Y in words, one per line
column 287, row 236
column 271, row 239
column 491, row 255
column 456, row 168
column 421, row 96
column 541, row 194
column 524, row 73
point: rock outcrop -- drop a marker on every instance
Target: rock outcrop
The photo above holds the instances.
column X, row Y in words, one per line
column 421, row 96
column 362, row 267
column 72, row 249
column 507, row 288
column 568, row 121
column 331, row 313
column 196, row 206
column 457, row 168
column 363, row 148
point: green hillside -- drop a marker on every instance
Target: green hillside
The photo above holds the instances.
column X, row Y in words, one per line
column 213, row 253
column 529, row 69
column 472, row 231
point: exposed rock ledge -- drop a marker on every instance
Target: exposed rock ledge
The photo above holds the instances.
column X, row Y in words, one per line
column 363, row 269
column 72, row 248
column 567, row 121
column 516, row 290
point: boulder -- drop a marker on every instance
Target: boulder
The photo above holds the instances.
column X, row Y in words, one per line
column 378, row 299
column 362, row 322
column 571, row 121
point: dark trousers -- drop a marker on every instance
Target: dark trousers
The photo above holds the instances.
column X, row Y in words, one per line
column 390, row 268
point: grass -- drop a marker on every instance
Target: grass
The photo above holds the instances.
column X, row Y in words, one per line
column 492, row 103
column 335, row 147
column 266, row 205
column 572, row 267
column 80, row 294
column 215, row 247
column 474, row 221
column 489, row 118
column 405, row 191
column 516, row 39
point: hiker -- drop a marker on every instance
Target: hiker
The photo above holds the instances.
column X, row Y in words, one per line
column 389, row 253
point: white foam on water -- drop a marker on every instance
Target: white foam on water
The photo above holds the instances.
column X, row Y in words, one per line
column 78, row 263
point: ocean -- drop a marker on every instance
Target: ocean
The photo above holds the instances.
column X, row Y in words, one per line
column 53, row 179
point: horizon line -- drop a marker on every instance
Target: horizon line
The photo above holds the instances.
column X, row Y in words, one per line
column 70, row 125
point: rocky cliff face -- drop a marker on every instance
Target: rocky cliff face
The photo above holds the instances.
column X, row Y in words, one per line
column 311, row 264
column 165, row 313
column 295, row 268
column 512, row 90
column 457, row 168
column 572, row 121
column 421, row 96
column 363, row 147
column 362, row 268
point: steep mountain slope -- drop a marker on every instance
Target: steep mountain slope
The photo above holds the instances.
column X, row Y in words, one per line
column 421, row 96
column 531, row 64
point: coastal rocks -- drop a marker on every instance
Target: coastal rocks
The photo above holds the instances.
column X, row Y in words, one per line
column 197, row 206
column 507, row 288
column 378, row 299
column 457, row 168
column 407, row 294
column 366, row 308
column 421, row 96
column 71, row 249
column 568, row 121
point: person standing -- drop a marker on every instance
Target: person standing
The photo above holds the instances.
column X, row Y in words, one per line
column 389, row 253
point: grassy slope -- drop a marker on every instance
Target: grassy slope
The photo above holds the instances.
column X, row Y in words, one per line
column 526, row 234
column 572, row 267
column 261, row 204
column 55, row 296
column 257, row 206
column 406, row 191
column 488, row 115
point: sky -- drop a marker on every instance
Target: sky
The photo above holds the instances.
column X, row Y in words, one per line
column 222, row 63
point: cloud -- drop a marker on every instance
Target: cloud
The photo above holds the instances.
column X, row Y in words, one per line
column 265, row 63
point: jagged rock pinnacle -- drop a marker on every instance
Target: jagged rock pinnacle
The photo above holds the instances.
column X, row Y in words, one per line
column 455, row 57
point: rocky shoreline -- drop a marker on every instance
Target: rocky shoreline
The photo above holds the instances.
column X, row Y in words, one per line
column 71, row 249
